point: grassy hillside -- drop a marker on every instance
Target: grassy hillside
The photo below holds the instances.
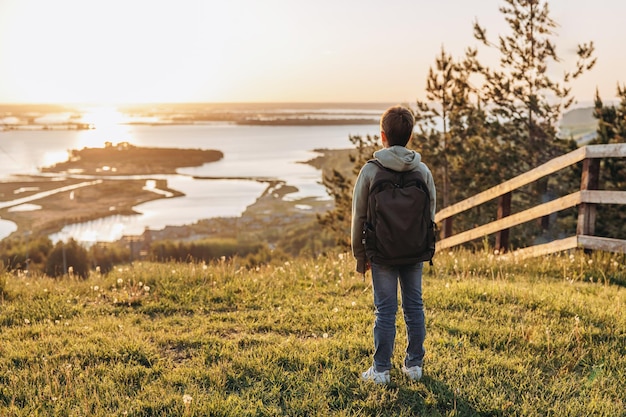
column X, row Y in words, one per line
column 505, row 337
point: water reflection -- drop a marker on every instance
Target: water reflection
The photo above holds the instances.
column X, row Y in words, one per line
column 6, row 228
column 203, row 199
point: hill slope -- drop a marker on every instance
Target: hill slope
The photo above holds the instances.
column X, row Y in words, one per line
column 504, row 338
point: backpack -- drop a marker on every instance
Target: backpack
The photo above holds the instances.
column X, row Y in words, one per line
column 399, row 229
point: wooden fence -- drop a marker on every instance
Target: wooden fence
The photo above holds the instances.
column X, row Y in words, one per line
column 586, row 199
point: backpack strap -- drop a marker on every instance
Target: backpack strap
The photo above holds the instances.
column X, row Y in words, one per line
column 401, row 175
column 380, row 165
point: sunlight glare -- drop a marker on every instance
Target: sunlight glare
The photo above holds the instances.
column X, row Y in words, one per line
column 108, row 125
column 103, row 117
column 52, row 158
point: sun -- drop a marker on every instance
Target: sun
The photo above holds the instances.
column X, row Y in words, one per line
column 103, row 117
column 107, row 124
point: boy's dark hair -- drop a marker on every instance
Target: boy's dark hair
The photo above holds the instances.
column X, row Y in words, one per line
column 397, row 123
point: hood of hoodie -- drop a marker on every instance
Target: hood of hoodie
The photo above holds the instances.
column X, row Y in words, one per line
column 398, row 158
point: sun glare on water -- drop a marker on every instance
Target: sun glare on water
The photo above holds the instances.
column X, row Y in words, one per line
column 108, row 125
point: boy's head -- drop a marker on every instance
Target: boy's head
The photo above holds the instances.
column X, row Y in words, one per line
column 396, row 126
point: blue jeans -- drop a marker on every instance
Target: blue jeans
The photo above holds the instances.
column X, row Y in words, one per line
column 385, row 283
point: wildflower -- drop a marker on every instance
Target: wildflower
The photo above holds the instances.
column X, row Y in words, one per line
column 353, row 303
column 325, row 335
column 146, row 288
column 590, row 261
column 98, row 269
column 204, row 267
column 335, row 310
column 96, row 288
column 26, row 321
column 287, row 263
column 120, row 281
column 187, row 399
column 341, row 256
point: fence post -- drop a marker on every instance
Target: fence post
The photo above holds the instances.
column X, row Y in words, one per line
column 446, row 229
column 587, row 211
column 504, row 209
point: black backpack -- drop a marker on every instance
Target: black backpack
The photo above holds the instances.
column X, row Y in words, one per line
column 399, row 229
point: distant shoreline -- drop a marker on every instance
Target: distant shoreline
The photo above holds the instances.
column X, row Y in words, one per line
column 80, row 117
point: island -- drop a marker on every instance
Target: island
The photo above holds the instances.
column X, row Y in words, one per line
column 126, row 159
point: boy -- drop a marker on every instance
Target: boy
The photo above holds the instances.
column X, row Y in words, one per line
column 396, row 129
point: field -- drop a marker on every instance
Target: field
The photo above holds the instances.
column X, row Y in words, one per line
column 505, row 337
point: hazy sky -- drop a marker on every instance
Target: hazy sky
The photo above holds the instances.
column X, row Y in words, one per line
column 112, row 51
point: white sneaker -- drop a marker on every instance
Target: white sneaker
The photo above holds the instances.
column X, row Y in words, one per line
column 414, row 372
column 375, row 377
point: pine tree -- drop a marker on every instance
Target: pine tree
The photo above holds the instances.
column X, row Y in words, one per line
column 445, row 94
column 525, row 99
column 454, row 139
column 339, row 184
column 611, row 220
column 525, row 102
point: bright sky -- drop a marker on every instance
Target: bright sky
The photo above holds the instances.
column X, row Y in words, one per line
column 115, row 51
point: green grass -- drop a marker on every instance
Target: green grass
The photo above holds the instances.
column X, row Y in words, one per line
column 505, row 337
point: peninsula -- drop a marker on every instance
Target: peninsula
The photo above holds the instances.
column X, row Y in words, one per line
column 66, row 198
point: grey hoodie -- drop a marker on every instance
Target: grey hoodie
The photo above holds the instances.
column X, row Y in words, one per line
column 397, row 158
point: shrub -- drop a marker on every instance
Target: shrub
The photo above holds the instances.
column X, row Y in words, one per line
column 67, row 258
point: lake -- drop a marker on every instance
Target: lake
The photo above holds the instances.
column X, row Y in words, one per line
column 249, row 151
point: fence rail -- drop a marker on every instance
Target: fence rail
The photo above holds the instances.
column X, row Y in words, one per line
column 586, row 199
